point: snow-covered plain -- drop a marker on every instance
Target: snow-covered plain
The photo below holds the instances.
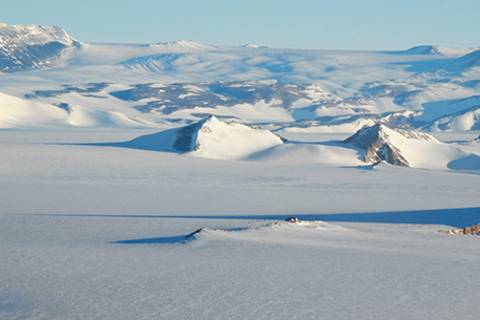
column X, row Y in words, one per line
column 110, row 163
column 65, row 210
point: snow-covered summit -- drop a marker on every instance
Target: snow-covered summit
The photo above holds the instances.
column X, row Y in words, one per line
column 31, row 46
column 382, row 143
column 33, row 35
column 210, row 138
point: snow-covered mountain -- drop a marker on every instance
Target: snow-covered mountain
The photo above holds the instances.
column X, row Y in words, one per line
column 187, row 79
column 397, row 147
column 210, row 138
column 410, row 148
column 24, row 47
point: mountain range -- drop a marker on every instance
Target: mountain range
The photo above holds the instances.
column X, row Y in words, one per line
column 49, row 79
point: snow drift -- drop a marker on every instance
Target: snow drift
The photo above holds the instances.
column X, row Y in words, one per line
column 286, row 232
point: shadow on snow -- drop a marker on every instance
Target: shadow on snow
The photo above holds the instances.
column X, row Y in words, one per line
column 455, row 217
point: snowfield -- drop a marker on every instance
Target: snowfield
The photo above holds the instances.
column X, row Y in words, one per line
column 152, row 181
column 67, row 205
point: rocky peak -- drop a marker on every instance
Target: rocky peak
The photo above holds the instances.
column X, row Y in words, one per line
column 382, row 143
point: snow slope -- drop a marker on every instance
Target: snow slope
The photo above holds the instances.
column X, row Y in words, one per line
column 16, row 112
column 21, row 113
column 280, row 272
column 468, row 61
column 210, row 138
column 81, row 117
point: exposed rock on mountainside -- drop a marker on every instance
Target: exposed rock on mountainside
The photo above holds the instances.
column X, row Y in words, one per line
column 381, row 143
column 24, row 47
column 210, row 138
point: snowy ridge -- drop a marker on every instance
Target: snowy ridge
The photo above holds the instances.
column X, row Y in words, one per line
column 349, row 126
column 302, row 232
column 466, row 120
column 181, row 46
column 29, row 35
column 468, row 61
column 286, row 232
column 253, row 46
column 81, row 117
column 21, row 113
column 435, row 50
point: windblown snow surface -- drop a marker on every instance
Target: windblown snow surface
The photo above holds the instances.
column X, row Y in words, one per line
column 152, row 181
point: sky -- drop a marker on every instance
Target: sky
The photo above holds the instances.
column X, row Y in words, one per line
column 316, row 24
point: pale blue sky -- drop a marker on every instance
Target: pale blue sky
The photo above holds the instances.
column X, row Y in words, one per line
column 340, row 24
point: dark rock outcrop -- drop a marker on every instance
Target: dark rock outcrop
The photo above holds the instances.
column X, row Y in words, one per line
column 471, row 230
